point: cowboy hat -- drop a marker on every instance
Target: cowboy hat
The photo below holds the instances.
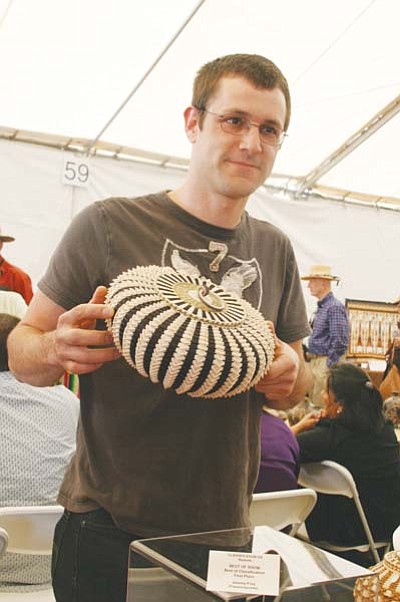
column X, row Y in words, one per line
column 5, row 238
column 320, row 271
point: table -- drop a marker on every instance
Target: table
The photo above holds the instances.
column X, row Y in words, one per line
column 177, row 567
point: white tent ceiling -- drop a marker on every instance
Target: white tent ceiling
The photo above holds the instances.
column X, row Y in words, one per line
column 67, row 67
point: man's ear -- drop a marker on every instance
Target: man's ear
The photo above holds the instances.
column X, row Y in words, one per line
column 191, row 116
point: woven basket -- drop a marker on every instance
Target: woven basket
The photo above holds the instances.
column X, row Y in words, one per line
column 187, row 333
column 386, row 587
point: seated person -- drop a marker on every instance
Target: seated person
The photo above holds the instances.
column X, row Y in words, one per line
column 391, row 381
column 352, row 431
column 38, row 427
column 279, row 466
column 391, row 410
column 12, row 303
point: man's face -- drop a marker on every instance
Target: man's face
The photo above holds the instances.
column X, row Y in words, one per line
column 318, row 287
column 234, row 166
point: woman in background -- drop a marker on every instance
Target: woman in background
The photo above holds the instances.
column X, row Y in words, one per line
column 279, row 466
column 391, row 382
column 352, row 431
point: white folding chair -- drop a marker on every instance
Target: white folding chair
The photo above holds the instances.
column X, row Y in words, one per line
column 334, row 479
column 3, row 542
column 280, row 509
column 396, row 539
column 29, row 530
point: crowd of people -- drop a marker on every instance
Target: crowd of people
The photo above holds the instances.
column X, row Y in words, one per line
column 149, row 461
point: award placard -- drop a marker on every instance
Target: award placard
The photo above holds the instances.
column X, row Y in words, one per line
column 241, row 572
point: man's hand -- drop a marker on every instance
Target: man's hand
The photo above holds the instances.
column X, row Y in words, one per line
column 289, row 377
column 278, row 383
column 78, row 347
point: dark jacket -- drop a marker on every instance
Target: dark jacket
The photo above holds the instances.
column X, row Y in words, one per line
column 373, row 460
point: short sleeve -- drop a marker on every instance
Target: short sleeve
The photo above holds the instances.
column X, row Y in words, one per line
column 78, row 264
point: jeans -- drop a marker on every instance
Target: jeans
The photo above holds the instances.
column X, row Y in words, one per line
column 90, row 558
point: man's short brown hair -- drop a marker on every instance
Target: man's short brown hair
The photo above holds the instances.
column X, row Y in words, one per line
column 257, row 69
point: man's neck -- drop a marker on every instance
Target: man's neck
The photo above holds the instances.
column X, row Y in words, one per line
column 322, row 297
column 214, row 209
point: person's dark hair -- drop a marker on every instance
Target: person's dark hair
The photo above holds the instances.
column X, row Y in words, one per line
column 257, row 69
column 361, row 402
column 7, row 323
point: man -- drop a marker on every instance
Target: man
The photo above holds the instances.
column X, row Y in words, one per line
column 11, row 277
column 330, row 329
column 151, row 462
column 38, row 427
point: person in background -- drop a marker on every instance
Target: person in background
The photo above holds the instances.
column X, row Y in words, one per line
column 391, row 411
column 279, row 465
column 149, row 461
column 38, row 432
column 12, row 303
column 13, row 278
column 391, row 382
column 352, row 431
column 329, row 338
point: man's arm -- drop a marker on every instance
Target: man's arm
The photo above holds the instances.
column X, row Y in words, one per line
column 50, row 340
column 338, row 333
column 288, row 379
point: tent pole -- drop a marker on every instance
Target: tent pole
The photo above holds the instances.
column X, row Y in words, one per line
column 374, row 124
column 145, row 76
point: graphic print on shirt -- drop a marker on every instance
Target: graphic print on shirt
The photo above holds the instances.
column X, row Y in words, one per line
column 241, row 278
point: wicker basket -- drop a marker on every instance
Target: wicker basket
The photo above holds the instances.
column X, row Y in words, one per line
column 386, row 587
column 188, row 333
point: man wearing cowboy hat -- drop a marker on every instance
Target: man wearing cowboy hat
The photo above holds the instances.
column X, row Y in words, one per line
column 13, row 278
column 330, row 329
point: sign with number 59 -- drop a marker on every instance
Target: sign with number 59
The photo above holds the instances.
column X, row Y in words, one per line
column 76, row 172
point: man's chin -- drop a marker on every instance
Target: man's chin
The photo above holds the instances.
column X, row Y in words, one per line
column 240, row 189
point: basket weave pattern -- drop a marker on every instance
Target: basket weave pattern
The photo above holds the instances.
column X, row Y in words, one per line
column 188, row 333
column 386, row 587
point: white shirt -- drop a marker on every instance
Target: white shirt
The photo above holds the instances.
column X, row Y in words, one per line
column 38, row 426
column 12, row 303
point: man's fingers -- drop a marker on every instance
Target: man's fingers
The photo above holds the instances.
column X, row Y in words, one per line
column 99, row 295
column 82, row 360
column 85, row 312
column 85, row 338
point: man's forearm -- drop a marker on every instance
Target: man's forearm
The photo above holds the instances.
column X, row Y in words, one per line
column 31, row 356
column 302, row 385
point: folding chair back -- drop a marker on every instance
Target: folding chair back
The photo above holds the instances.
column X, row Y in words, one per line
column 334, row 479
column 30, row 529
column 3, row 542
column 280, row 509
column 396, row 539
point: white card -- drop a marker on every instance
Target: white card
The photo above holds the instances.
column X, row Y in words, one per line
column 243, row 573
column 76, row 171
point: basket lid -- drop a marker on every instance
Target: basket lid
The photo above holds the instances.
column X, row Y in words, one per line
column 187, row 333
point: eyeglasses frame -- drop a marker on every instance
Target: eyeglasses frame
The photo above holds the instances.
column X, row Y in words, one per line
column 221, row 116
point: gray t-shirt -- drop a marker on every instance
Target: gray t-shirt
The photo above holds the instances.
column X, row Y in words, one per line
column 157, row 461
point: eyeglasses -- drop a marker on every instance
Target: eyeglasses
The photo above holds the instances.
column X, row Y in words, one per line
column 239, row 125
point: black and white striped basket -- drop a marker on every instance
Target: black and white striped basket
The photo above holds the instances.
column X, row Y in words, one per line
column 188, row 333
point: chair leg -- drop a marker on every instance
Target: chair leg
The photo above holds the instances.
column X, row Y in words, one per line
column 324, row 593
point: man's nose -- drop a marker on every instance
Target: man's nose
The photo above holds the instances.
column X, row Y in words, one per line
column 250, row 139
